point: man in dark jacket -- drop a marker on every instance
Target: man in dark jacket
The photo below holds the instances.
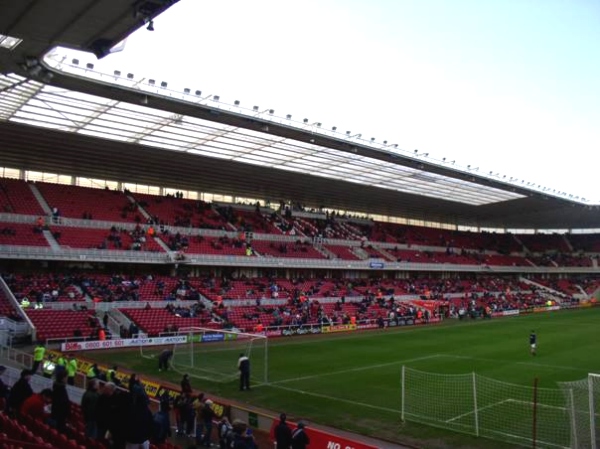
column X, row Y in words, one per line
column 20, row 391
column 299, row 437
column 244, row 367
column 283, row 433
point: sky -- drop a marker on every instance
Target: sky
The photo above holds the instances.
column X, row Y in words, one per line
column 510, row 87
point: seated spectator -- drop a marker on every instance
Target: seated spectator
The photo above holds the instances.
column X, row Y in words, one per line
column 38, row 405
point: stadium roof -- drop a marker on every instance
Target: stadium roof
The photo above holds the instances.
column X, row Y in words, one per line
column 124, row 127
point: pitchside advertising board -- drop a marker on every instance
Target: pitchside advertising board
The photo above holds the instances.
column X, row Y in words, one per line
column 122, row 343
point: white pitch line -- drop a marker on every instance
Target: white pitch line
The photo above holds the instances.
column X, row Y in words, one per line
column 570, row 368
column 352, row 370
column 334, row 398
column 472, row 412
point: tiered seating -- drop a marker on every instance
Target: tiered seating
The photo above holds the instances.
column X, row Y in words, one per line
column 415, row 256
column 45, row 287
column 17, row 435
column 544, row 242
column 499, row 259
column 180, row 212
column 84, row 202
column 105, row 239
column 585, row 242
column 17, row 198
column 7, row 309
column 342, row 252
column 562, row 260
column 21, row 234
column 61, row 323
column 157, row 321
column 245, row 220
column 286, row 249
column 218, row 246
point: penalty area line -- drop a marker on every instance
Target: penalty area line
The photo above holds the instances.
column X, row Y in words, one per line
column 334, row 398
column 353, row 370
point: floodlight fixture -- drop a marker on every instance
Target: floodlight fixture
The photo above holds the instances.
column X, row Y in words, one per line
column 385, row 142
column 289, row 116
column 198, row 93
column 186, row 91
column 372, row 139
column 89, row 66
column 255, row 108
column 305, row 120
column 334, row 128
column 216, row 98
column 151, row 82
column 236, row 102
column 318, row 124
column 130, row 76
column 163, row 84
column 271, row 111
column 75, row 61
column 348, row 133
column 117, row 73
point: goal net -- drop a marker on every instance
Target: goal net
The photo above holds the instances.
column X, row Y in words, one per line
column 583, row 399
column 478, row 405
column 213, row 354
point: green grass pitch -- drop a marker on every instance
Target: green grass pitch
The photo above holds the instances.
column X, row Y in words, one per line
column 352, row 380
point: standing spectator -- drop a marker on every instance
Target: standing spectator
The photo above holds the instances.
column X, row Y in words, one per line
column 4, row 389
column 38, row 357
column 112, row 412
column 283, row 433
column 37, row 406
column 61, row 405
column 162, row 423
column 19, row 392
column 71, row 370
column 225, row 430
column 164, row 358
column 241, row 438
column 244, row 367
column 139, row 422
column 299, row 437
column 204, row 423
column 186, row 385
column 89, row 408
column 184, row 413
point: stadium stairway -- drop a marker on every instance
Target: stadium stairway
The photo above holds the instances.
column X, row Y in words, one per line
column 51, row 240
column 38, row 195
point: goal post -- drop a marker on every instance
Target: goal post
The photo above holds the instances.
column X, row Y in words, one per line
column 481, row 406
column 213, row 354
column 583, row 399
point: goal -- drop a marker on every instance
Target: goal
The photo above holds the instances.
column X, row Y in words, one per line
column 212, row 354
column 484, row 407
column 583, row 399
